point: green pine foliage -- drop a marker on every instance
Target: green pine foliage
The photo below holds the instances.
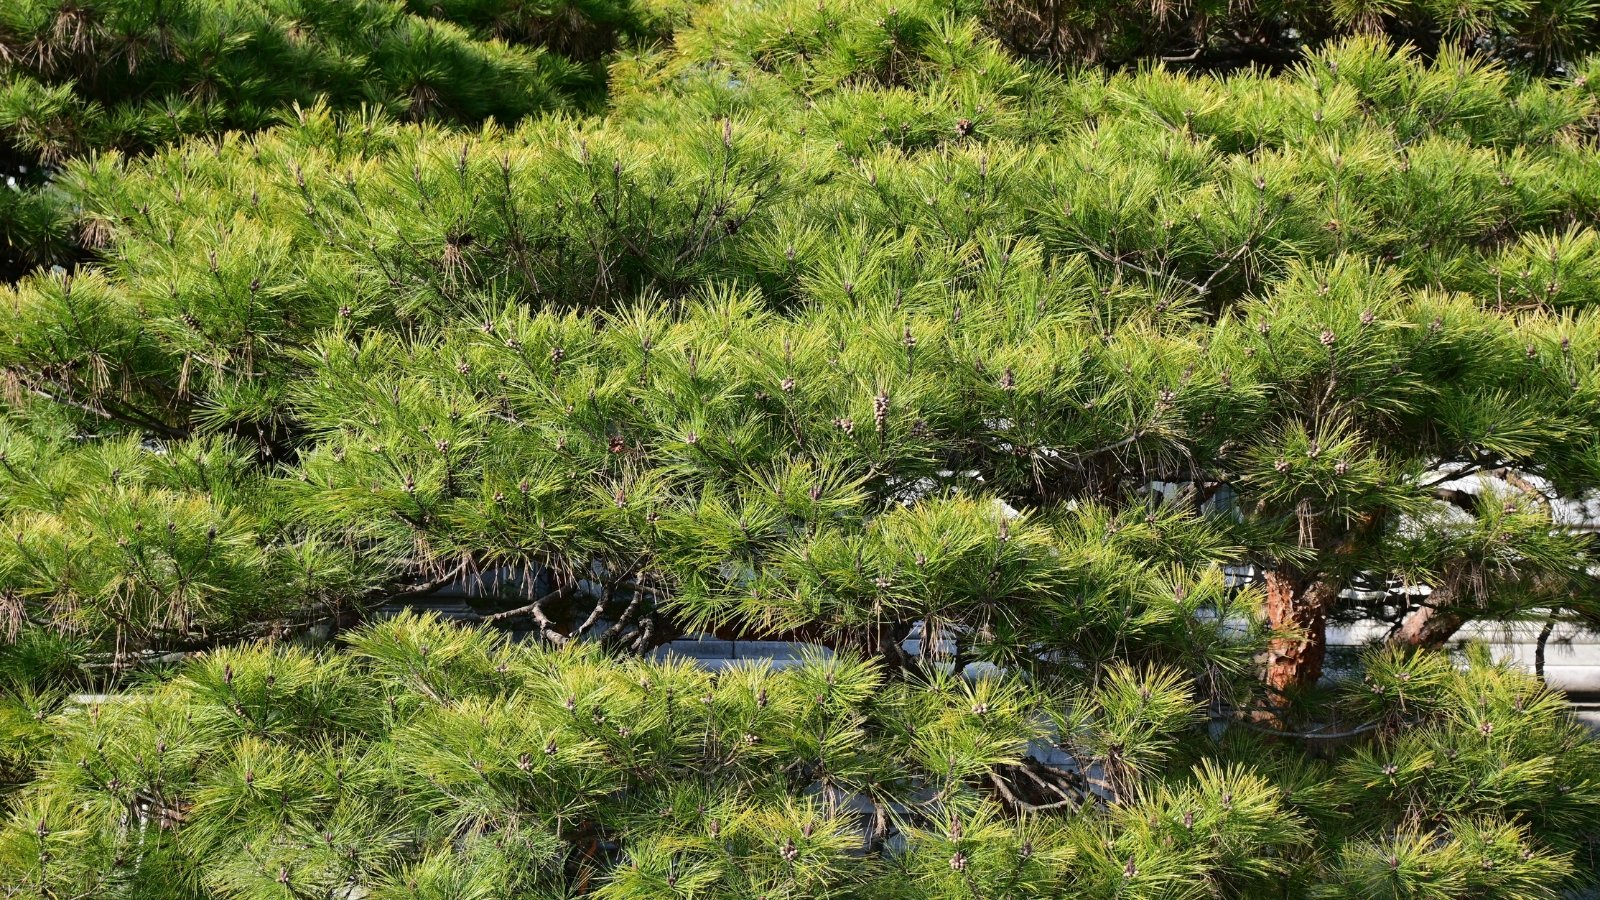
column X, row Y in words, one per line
column 714, row 340
column 120, row 546
column 844, row 323
column 432, row 761
column 84, row 77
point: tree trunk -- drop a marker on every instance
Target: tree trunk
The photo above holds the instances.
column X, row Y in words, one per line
column 885, row 639
column 1299, row 605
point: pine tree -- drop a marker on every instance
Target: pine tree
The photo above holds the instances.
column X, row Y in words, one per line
column 1061, row 408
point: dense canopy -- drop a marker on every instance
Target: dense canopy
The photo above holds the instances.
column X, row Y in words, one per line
column 1120, row 361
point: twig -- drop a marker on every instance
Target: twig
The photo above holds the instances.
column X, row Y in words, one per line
column 434, row 585
column 1066, row 799
column 1464, row 470
column 1130, row 439
column 594, row 614
column 616, row 628
column 126, row 418
column 536, row 610
column 646, row 630
column 1018, row 802
column 1544, row 638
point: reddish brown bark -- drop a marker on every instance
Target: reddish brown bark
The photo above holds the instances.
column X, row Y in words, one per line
column 1428, row 627
column 1297, row 606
